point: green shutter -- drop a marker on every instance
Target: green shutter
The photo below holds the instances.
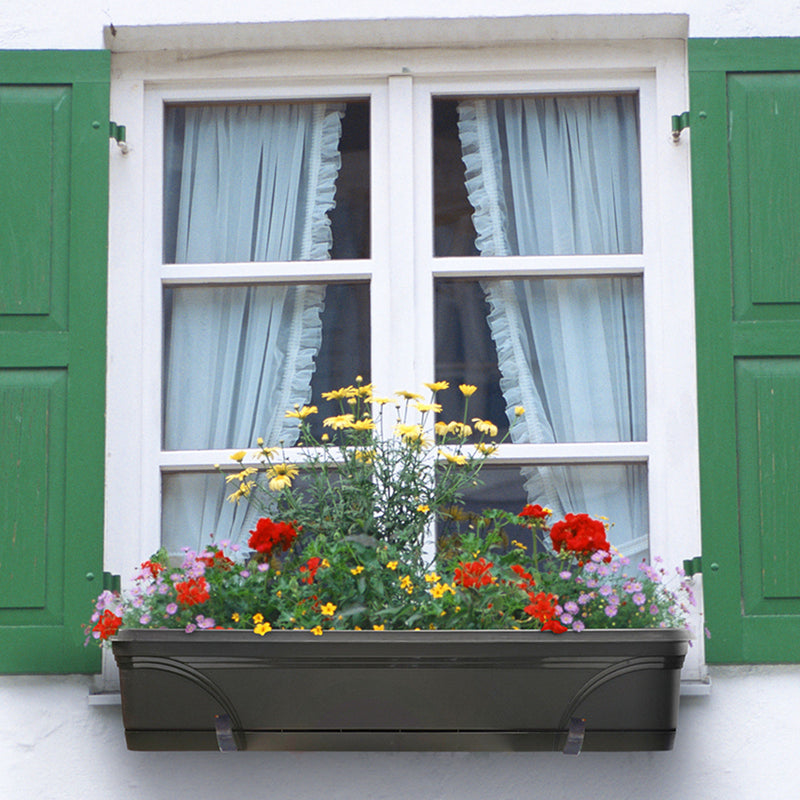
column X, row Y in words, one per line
column 53, row 230
column 745, row 141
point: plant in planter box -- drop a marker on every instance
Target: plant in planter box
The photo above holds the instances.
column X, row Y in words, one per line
column 341, row 544
column 339, row 628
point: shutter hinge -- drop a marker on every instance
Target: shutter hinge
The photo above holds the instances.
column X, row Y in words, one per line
column 111, row 582
column 679, row 123
column 693, row 566
column 117, row 133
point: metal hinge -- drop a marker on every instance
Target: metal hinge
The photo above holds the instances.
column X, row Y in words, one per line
column 117, row 133
column 693, row 566
column 111, row 582
column 679, row 123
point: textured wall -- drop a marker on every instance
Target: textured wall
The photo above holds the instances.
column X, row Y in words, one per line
column 79, row 23
column 740, row 742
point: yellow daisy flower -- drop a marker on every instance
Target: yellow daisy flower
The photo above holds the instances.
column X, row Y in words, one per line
column 280, row 476
column 302, row 413
column 485, row 426
column 410, row 395
column 339, row 422
column 467, row 389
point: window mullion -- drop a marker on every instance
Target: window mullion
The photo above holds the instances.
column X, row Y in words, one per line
column 393, row 349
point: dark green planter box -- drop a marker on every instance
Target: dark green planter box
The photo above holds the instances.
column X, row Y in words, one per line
column 395, row 690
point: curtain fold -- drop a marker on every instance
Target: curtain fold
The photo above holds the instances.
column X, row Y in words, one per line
column 255, row 183
column 557, row 176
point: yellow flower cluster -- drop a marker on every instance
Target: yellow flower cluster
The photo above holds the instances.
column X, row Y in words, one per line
column 440, row 589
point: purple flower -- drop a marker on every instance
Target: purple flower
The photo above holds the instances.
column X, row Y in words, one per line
column 578, row 625
column 654, row 609
column 639, row 598
column 171, row 609
column 106, row 599
column 606, row 590
column 263, row 567
column 245, row 573
column 565, row 575
column 566, row 619
column 191, row 627
column 611, row 611
column 205, row 622
column 571, row 607
column 144, row 619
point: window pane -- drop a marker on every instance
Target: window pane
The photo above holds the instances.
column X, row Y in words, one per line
column 236, row 358
column 617, row 492
column 195, row 508
column 266, row 182
column 538, row 176
column 570, row 351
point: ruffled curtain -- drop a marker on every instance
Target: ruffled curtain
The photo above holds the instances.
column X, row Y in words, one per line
column 556, row 176
column 255, row 183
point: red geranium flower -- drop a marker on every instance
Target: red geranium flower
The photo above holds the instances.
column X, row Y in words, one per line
column 535, row 511
column 268, row 535
column 193, row 592
column 107, row 625
column 579, row 533
column 154, row 567
column 218, row 560
column 474, row 573
column 527, row 577
column 555, row 626
column 542, row 606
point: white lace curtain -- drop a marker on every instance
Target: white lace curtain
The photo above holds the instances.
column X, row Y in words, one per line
column 255, row 183
column 555, row 176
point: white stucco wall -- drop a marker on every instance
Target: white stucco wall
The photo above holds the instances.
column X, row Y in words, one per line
column 741, row 741
column 43, row 24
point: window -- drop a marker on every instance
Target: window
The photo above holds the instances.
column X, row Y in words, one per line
column 504, row 218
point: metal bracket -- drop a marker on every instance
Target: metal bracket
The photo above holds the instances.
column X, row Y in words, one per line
column 117, row 133
column 575, row 734
column 679, row 123
column 226, row 741
column 693, row 566
column 111, row 582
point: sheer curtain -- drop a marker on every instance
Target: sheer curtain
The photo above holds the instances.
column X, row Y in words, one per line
column 556, row 176
column 252, row 183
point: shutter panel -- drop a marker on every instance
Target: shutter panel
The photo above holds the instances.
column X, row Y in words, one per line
column 745, row 137
column 53, row 231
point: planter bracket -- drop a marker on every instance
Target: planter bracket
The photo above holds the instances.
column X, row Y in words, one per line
column 225, row 738
column 575, row 734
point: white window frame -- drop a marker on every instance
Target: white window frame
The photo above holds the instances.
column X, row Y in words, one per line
column 400, row 84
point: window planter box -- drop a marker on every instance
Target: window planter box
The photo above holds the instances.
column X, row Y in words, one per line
column 394, row 690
